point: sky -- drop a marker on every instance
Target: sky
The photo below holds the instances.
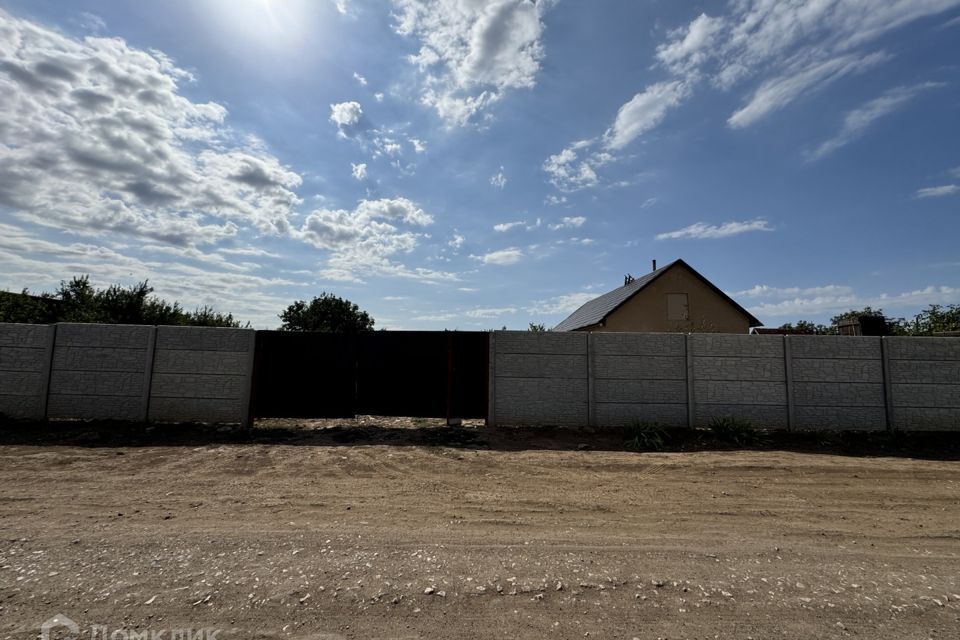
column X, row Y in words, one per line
column 474, row 164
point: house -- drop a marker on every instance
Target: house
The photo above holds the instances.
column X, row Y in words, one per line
column 672, row 298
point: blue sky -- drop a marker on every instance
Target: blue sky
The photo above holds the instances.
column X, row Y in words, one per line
column 473, row 164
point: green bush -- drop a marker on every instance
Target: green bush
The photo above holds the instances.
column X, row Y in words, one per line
column 735, row 431
column 645, row 436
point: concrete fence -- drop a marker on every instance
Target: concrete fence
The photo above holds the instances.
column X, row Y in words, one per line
column 125, row 372
column 184, row 374
column 782, row 382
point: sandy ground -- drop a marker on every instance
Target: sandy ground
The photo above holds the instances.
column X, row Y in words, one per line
column 301, row 531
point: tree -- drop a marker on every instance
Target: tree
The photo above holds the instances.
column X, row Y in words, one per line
column 79, row 301
column 327, row 313
column 805, row 326
column 537, row 326
column 935, row 319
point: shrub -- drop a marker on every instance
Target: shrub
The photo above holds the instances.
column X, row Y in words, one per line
column 735, row 431
column 645, row 436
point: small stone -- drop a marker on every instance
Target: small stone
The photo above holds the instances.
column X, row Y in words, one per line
column 428, row 591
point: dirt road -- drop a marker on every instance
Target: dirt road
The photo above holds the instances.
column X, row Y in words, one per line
column 476, row 535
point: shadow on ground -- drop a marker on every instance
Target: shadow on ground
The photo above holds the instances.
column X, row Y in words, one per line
column 432, row 433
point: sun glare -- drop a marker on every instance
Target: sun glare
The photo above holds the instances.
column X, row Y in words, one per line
column 278, row 25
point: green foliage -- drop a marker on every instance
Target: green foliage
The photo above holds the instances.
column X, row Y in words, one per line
column 26, row 308
column 79, row 301
column 327, row 313
column 805, row 326
column 537, row 326
column 735, row 431
column 935, row 319
column 642, row 435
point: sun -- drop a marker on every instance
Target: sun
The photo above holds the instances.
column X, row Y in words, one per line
column 276, row 25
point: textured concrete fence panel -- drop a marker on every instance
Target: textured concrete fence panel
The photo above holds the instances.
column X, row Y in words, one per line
column 539, row 378
column 25, row 351
column 838, row 382
column 798, row 382
column 201, row 374
column 924, row 382
column 638, row 377
column 101, row 371
column 739, row 375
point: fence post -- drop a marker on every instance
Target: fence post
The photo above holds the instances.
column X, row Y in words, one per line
column 690, row 398
column 148, row 372
column 48, row 371
column 492, row 380
column 788, row 376
column 591, row 405
column 887, row 384
column 246, row 403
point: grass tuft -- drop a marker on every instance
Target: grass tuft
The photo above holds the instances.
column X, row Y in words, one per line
column 645, row 436
column 735, row 431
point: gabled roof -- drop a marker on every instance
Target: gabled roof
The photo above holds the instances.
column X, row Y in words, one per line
column 597, row 310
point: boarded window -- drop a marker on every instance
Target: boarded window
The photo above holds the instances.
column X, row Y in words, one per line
column 677, row 307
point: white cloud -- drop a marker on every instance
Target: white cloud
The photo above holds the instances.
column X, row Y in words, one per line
column 27, row 260
column 858, row 120
column 359, row 171
column 649, row 202
column 909, row 301
column 569, row 222
column 766, row 291
column 364, row 240
column 644, row 112
column 499, row 180
column 566, row 303
column 554, row 200
column 378, row 97
column 506, row 226
column 359, row 78
column 456, row 241
column 343, row 6
column 345, row 114
column 568, row 173
column 490, row 312
column 472, row 52
column 419, row 146
column 938, row 192
column 508, row 256
column 778, row 92
column 702, row 230
column 690, row 46
column 792, row 49
column 91, row 22
column 435, row 317
column 95, row 137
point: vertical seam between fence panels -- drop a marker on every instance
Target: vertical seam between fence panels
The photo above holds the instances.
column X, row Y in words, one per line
column 887, row 384
column 246, row 405
column 690, row 398
column 788, row 377
column 48, row 371
column 148, row 372
column 591, row 405
column 492, row 380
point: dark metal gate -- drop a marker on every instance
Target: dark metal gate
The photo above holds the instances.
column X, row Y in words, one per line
column 440, row 374
column 304, row 375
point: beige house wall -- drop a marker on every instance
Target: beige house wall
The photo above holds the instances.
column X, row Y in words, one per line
column 647, row 310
